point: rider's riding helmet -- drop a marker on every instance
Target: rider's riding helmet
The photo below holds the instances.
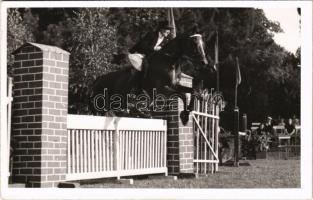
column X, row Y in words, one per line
column 165, row 25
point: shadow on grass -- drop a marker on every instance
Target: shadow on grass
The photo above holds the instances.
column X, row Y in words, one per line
column 230, row 163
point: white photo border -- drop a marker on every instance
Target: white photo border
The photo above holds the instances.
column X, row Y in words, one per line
column 305, row 192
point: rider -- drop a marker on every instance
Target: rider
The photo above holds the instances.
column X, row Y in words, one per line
column 150, row 43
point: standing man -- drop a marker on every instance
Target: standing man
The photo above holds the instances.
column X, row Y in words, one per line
column 290, row 130
column 290, row 127
column 268, row 128
column 150, row 43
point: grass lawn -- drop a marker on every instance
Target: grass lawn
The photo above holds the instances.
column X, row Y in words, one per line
column 260, row 174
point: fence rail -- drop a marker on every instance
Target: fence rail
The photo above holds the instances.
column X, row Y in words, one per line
column 100, row 147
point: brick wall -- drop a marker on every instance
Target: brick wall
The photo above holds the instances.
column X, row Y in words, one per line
column 179, row 137
column 40, row 115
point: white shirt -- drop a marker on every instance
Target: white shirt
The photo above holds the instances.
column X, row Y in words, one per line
column 160, row 39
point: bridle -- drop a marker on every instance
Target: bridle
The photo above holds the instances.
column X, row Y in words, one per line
column 189, row 57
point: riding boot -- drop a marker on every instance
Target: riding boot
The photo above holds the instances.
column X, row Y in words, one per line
column 142, row 74
column 144, row 68
column 135, row 82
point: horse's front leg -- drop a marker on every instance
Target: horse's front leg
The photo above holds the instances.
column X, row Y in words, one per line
column 184, row 115
column 180, row 92
column 183, row 89
column 174, row 92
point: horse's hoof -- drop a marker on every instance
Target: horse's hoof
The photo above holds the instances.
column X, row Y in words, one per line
column 184, row 116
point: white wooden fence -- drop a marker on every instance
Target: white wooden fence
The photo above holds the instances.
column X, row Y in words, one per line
column 206, row 130
column 100, row 147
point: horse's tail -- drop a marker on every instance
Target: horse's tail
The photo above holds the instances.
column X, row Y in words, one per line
column 95, row 90
column 108, row 81
column 91, row 106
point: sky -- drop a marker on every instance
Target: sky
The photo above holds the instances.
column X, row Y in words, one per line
column 290, row 23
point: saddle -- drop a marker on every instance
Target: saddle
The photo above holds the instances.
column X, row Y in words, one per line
column 134, row 60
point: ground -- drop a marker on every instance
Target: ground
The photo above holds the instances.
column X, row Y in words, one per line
column 255, row 174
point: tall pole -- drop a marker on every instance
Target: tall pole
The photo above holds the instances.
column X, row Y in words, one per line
column 236, row 131
column 171, row 20
column 238, row 80
column 236, row 116
column 236, row 89
column 216, row 64
column 217, row 78
column 244, row 122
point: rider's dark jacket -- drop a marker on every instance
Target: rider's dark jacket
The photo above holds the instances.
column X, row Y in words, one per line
column 146, row 44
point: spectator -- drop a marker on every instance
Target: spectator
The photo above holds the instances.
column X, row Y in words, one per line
column 270, row 131
column 281, row 122
column 268, row 126
column 261, row 130
column 295, row 121
column 290, row 128
column 262, row 139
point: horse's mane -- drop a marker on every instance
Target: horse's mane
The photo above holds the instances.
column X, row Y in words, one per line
column 172, row 43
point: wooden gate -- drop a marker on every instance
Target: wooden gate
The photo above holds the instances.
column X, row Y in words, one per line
column 100, row 147
column 206, row 130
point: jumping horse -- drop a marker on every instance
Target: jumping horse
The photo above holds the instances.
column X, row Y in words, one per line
column 163, row 73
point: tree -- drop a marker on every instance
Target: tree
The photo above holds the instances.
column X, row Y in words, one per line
column 133, row 23
column 92, row 44
column 20, row 29
column 248, row 34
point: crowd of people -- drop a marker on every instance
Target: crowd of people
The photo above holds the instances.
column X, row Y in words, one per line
column 266, row 137
column 289, row 126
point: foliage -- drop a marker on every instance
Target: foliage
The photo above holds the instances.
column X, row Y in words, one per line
column 93, row 42
column 263, row 64
column 288, row 89
column 259, row 142
column 20, row 29
column 133, row 23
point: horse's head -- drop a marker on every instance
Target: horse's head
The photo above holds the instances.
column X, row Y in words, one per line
column 193, row 48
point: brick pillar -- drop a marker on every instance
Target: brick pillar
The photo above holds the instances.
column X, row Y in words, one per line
column 180, row 143
column 40, row 115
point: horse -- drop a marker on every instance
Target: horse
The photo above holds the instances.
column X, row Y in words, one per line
column 162, row 75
